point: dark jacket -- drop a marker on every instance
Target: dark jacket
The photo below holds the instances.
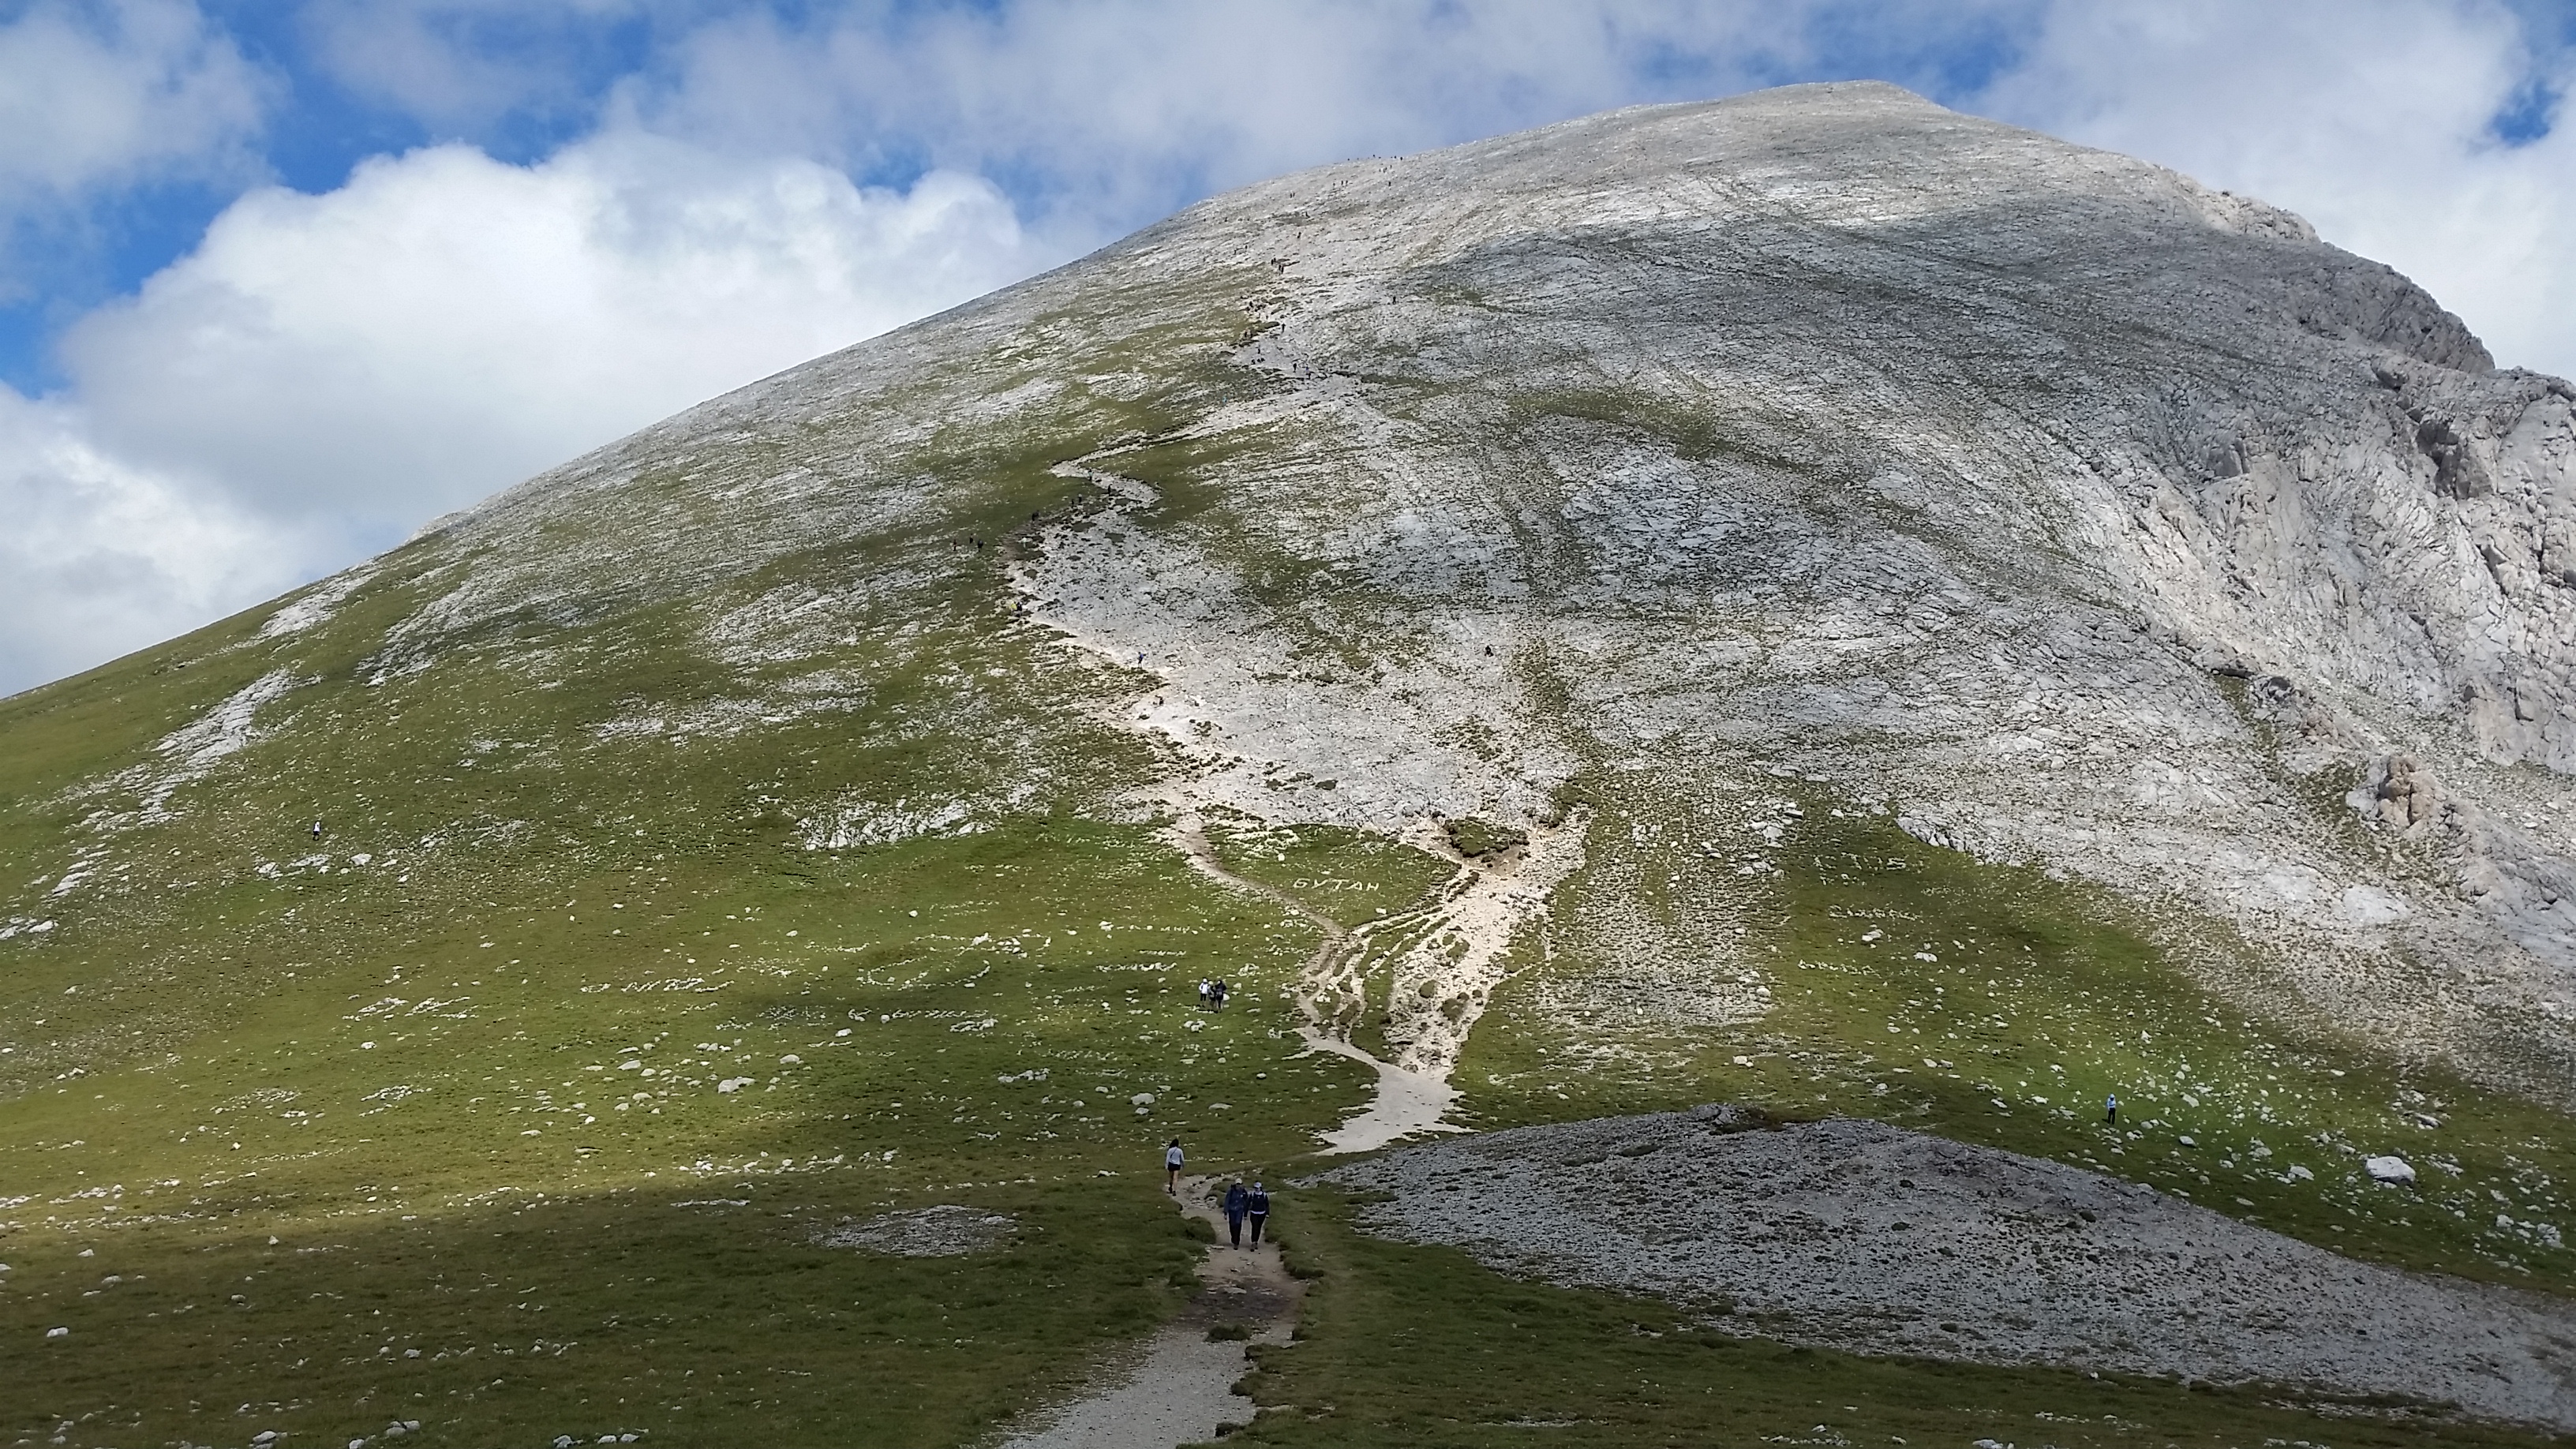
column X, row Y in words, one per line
column 1258, row 1205
column 1235, row 1198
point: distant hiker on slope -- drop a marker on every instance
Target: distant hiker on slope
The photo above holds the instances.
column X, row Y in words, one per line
column 317, row 830
column 1172, row 1168
column 1257, row 1208
column 2111, row 1109
column 1216, row 995
column 1237, row 1203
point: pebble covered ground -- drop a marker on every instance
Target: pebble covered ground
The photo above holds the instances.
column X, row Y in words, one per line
column 1859, row 1235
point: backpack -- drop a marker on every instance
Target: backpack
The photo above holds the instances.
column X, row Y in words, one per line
column 1260, row 1205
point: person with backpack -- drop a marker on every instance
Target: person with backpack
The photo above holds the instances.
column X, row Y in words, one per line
column 1216, row 994
column 1237, row 1203
column 2111, row 1109
column 1257, row 1207
column 1172, row 1168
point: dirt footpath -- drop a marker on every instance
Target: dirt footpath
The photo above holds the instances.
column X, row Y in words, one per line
column 1180, row 1388
column 1859, row 1235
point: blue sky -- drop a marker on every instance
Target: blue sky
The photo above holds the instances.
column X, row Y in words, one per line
column 282, row 279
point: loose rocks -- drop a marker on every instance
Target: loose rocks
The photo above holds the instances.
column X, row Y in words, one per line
column 2389, row 1169
column 1863, row 1236
column 932, row 1232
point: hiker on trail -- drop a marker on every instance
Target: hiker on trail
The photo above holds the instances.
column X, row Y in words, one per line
column 2111, row 1109
column 1257, row 1208
column 1172, row 1168
column 1217, row 994
column 1237, row 1203
column 317, row 830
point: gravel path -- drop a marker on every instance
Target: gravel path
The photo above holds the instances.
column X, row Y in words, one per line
column 1181, row 1389
column 1859, row 1235
column 1405, row 1103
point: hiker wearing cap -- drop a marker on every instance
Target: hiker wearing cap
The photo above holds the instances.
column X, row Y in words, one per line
column 1237, row 1203
column 1257, row 1207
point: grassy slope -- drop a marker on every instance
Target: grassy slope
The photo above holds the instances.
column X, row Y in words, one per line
column 465, row 1098
column 411, row 1076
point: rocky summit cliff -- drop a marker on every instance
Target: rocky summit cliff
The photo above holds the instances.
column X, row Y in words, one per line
column 1812, row 599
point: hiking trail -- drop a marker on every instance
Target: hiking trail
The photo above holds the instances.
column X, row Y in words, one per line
column 1180, row 1388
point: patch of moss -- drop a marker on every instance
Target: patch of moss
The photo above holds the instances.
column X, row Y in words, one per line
column 1478, row 838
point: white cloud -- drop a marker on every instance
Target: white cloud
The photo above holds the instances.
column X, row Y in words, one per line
column 324, row 373
column 445, row 324
column 102, row 557
column 106, row 93
column 461, row 63
column 2368, row 117
column 1122, row 109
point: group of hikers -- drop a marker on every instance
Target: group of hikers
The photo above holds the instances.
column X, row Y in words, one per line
column 1212, row 995
column 1241, row 1204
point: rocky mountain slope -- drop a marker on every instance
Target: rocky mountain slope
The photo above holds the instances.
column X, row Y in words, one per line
column 2085, row 515
column 1811, row 599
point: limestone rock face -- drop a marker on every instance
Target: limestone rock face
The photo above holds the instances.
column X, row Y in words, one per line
column 2083, row 514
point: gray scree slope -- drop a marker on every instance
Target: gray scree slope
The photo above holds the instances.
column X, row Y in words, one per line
column 1861, row 1235
column 2095, row 518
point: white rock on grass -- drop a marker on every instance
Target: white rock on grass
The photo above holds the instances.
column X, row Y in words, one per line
column 2388, row 1169
column 947, row 1230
